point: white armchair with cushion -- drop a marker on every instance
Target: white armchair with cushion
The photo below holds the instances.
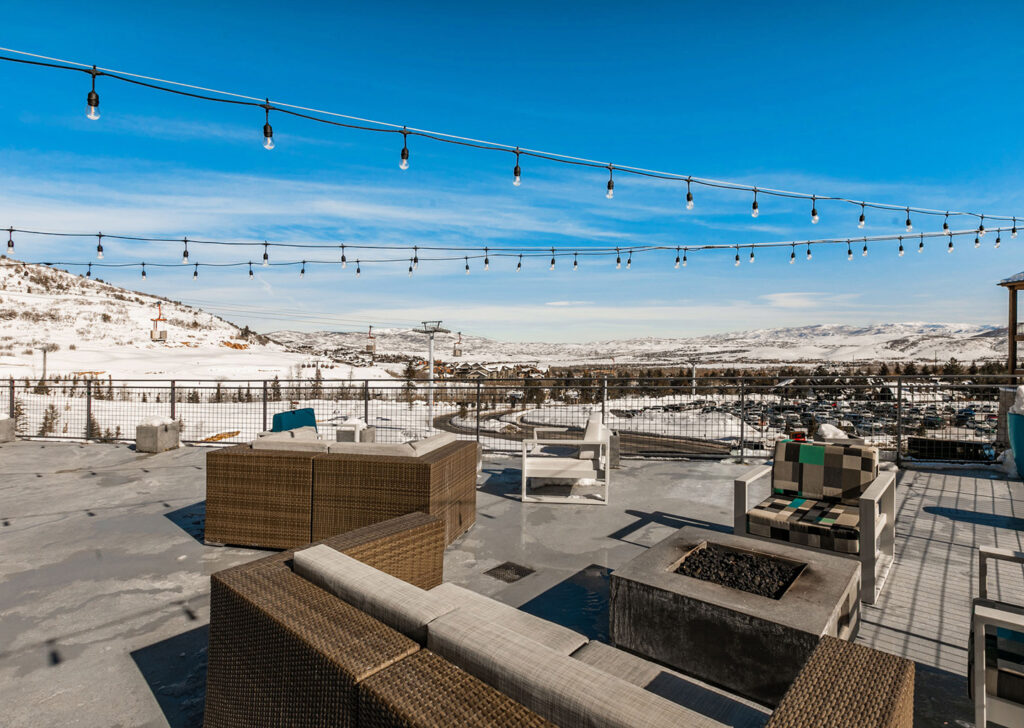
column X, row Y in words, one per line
column 589, row 461
column 997, row 647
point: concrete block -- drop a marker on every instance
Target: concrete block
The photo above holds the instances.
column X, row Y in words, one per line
column 749, row 644
column 349, row 433
column 613, row 450
column 7, row 430
column 157, row 438
column 369, row 434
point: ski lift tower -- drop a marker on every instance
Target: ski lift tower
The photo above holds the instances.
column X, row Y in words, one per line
column 430, row 328
column 156, row 334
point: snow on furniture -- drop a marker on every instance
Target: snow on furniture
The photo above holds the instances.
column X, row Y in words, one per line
column 826, row 496
column 588, row 463
column 995, row 674
column 157, row 434
column 6, row 429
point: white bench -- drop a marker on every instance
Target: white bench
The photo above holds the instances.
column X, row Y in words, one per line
column 590, row 461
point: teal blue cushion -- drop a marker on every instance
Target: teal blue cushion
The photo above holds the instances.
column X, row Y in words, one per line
column 293, row 419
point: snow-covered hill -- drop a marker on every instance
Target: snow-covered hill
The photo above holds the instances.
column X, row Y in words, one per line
column 96, row 329
column 809, row 344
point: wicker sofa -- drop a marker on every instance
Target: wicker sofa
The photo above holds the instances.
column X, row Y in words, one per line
column 282, row 493
column 359, row 630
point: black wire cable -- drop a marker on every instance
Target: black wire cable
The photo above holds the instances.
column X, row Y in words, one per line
column 518, row 151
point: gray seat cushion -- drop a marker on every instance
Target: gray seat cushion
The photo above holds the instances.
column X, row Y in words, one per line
column 295, row 444
column 396, row 603
column 704, row 699
column 567, row 692
column 553, row 636
column 371, row 448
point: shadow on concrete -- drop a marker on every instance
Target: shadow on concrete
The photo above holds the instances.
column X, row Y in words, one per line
column 644, row 519
column 940, row 698
column 976, row 518
column 191, row 519
column 502, row 482
column 579, row 603
column 175, row 670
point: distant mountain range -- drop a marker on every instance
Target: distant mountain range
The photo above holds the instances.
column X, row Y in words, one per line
column 805, row 344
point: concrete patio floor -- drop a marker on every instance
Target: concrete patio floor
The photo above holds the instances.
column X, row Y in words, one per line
column 104, row 579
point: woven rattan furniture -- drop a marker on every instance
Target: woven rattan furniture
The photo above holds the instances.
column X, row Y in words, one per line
column 845, row 684
column 284, row 652
column 283, row 499
column 829, row 497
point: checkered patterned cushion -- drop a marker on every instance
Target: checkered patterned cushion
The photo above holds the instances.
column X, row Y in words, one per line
column 823, row 524
column 830, row 472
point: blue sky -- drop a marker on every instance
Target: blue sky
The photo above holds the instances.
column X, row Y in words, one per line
column 913, row 103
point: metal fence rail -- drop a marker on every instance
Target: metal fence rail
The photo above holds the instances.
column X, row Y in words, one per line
column 929, row 418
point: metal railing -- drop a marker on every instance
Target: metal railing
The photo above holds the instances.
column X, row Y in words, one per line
column 949, row 418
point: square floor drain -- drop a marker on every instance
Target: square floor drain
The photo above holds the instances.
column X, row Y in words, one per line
column 509, row 572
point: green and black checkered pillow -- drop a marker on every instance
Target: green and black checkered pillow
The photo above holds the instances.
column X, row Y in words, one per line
column 818, row 471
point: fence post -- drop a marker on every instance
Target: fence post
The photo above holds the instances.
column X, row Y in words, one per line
column 265, row 398
column 88, row 409
column 478, row 383
column 899, row 421
column 743, row 415
column 366, row 401
column 174, row 402
column 11, row 403
column 604, row 400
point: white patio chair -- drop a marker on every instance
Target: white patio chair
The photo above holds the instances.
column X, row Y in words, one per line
column 589, row 461
column 997, row 650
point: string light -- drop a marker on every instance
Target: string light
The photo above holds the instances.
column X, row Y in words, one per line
column 359, row 272
column 266, row 256
column 552, row 259
column 344, row 263
column 404, row 164
column 629, row 260
column 184, row 255
column 689, row 195
column 302, row 271
column 949, row 248
column 516, row 171
column 977, row 242
column 99, row 246
column 410, row 267
column 860, row 220
column 999, row 241
column 618, row 260
column 143, row 271
column 864, row 252
column 677, row 258
column 415, row 257
column 10, row 241
column 268, row 130
column 901, row 251
column 753, row 208
column 467, row 266
column 357, row 123
column 1013, row 230
column 611, row 183
column 792, row 255
column 93, row 99
column 684, row 257
column 88, row 272
column 737, row 256
column 250, row 271
column 195, row 273
column 920, row 245
column 808, row 251
column 849, row 251
column 519, row 265
column 910, row 225
column 575, row 265
column 981, row 227
column 751, row 253
column 814, row 210
column 487, row 261
column 945, row 223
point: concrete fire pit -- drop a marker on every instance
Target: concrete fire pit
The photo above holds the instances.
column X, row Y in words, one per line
column 749, row 644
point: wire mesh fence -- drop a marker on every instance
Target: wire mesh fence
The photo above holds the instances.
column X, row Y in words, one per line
column 950, row 418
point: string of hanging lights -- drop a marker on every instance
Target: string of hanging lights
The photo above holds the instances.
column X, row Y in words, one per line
column 485, row 254
column 363, row 124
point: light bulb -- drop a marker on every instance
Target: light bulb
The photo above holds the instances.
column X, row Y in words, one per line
column 519, row 265
column 195, row 273
column 410, row 269
column 684, row 260
column 814, row 212
column 93, row 106
column 737, row 259
column 910, row 225
column 88, row 272
column 1013, row 230
column 184, row 256
column 792, row 257
column 677, row 260
column 552, row 267
column 302, row 271
column 467, row 266
column 689, row 196
column 516, row 181
column 808, row 252
column 977, row 242
column 901, row 250
column 99, row 251
column 864, row 252
column 611, row 189
column 358, row 271
column 250, row 272
column 266, row 262
column 981, row 227
column 143, row 271
column 950, row 248
column 404, row 164
column 945, row 223
column 268, row 136
column 344, row 263
column 860, row 220
column 629, row 260
column 618, row 260
column 849, row 252
column 754, row 212
column 575, row 265
column 487, row 264
column 998, row 241
column 751, row 255
column 920, row 246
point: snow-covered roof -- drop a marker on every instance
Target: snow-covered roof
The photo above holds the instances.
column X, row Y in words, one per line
column 1019, row 278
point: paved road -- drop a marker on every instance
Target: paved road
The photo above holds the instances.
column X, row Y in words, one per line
column 629, row 443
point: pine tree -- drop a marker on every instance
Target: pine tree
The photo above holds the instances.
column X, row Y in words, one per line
column 275, row 390
column 50, row 418
column 317, row 390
